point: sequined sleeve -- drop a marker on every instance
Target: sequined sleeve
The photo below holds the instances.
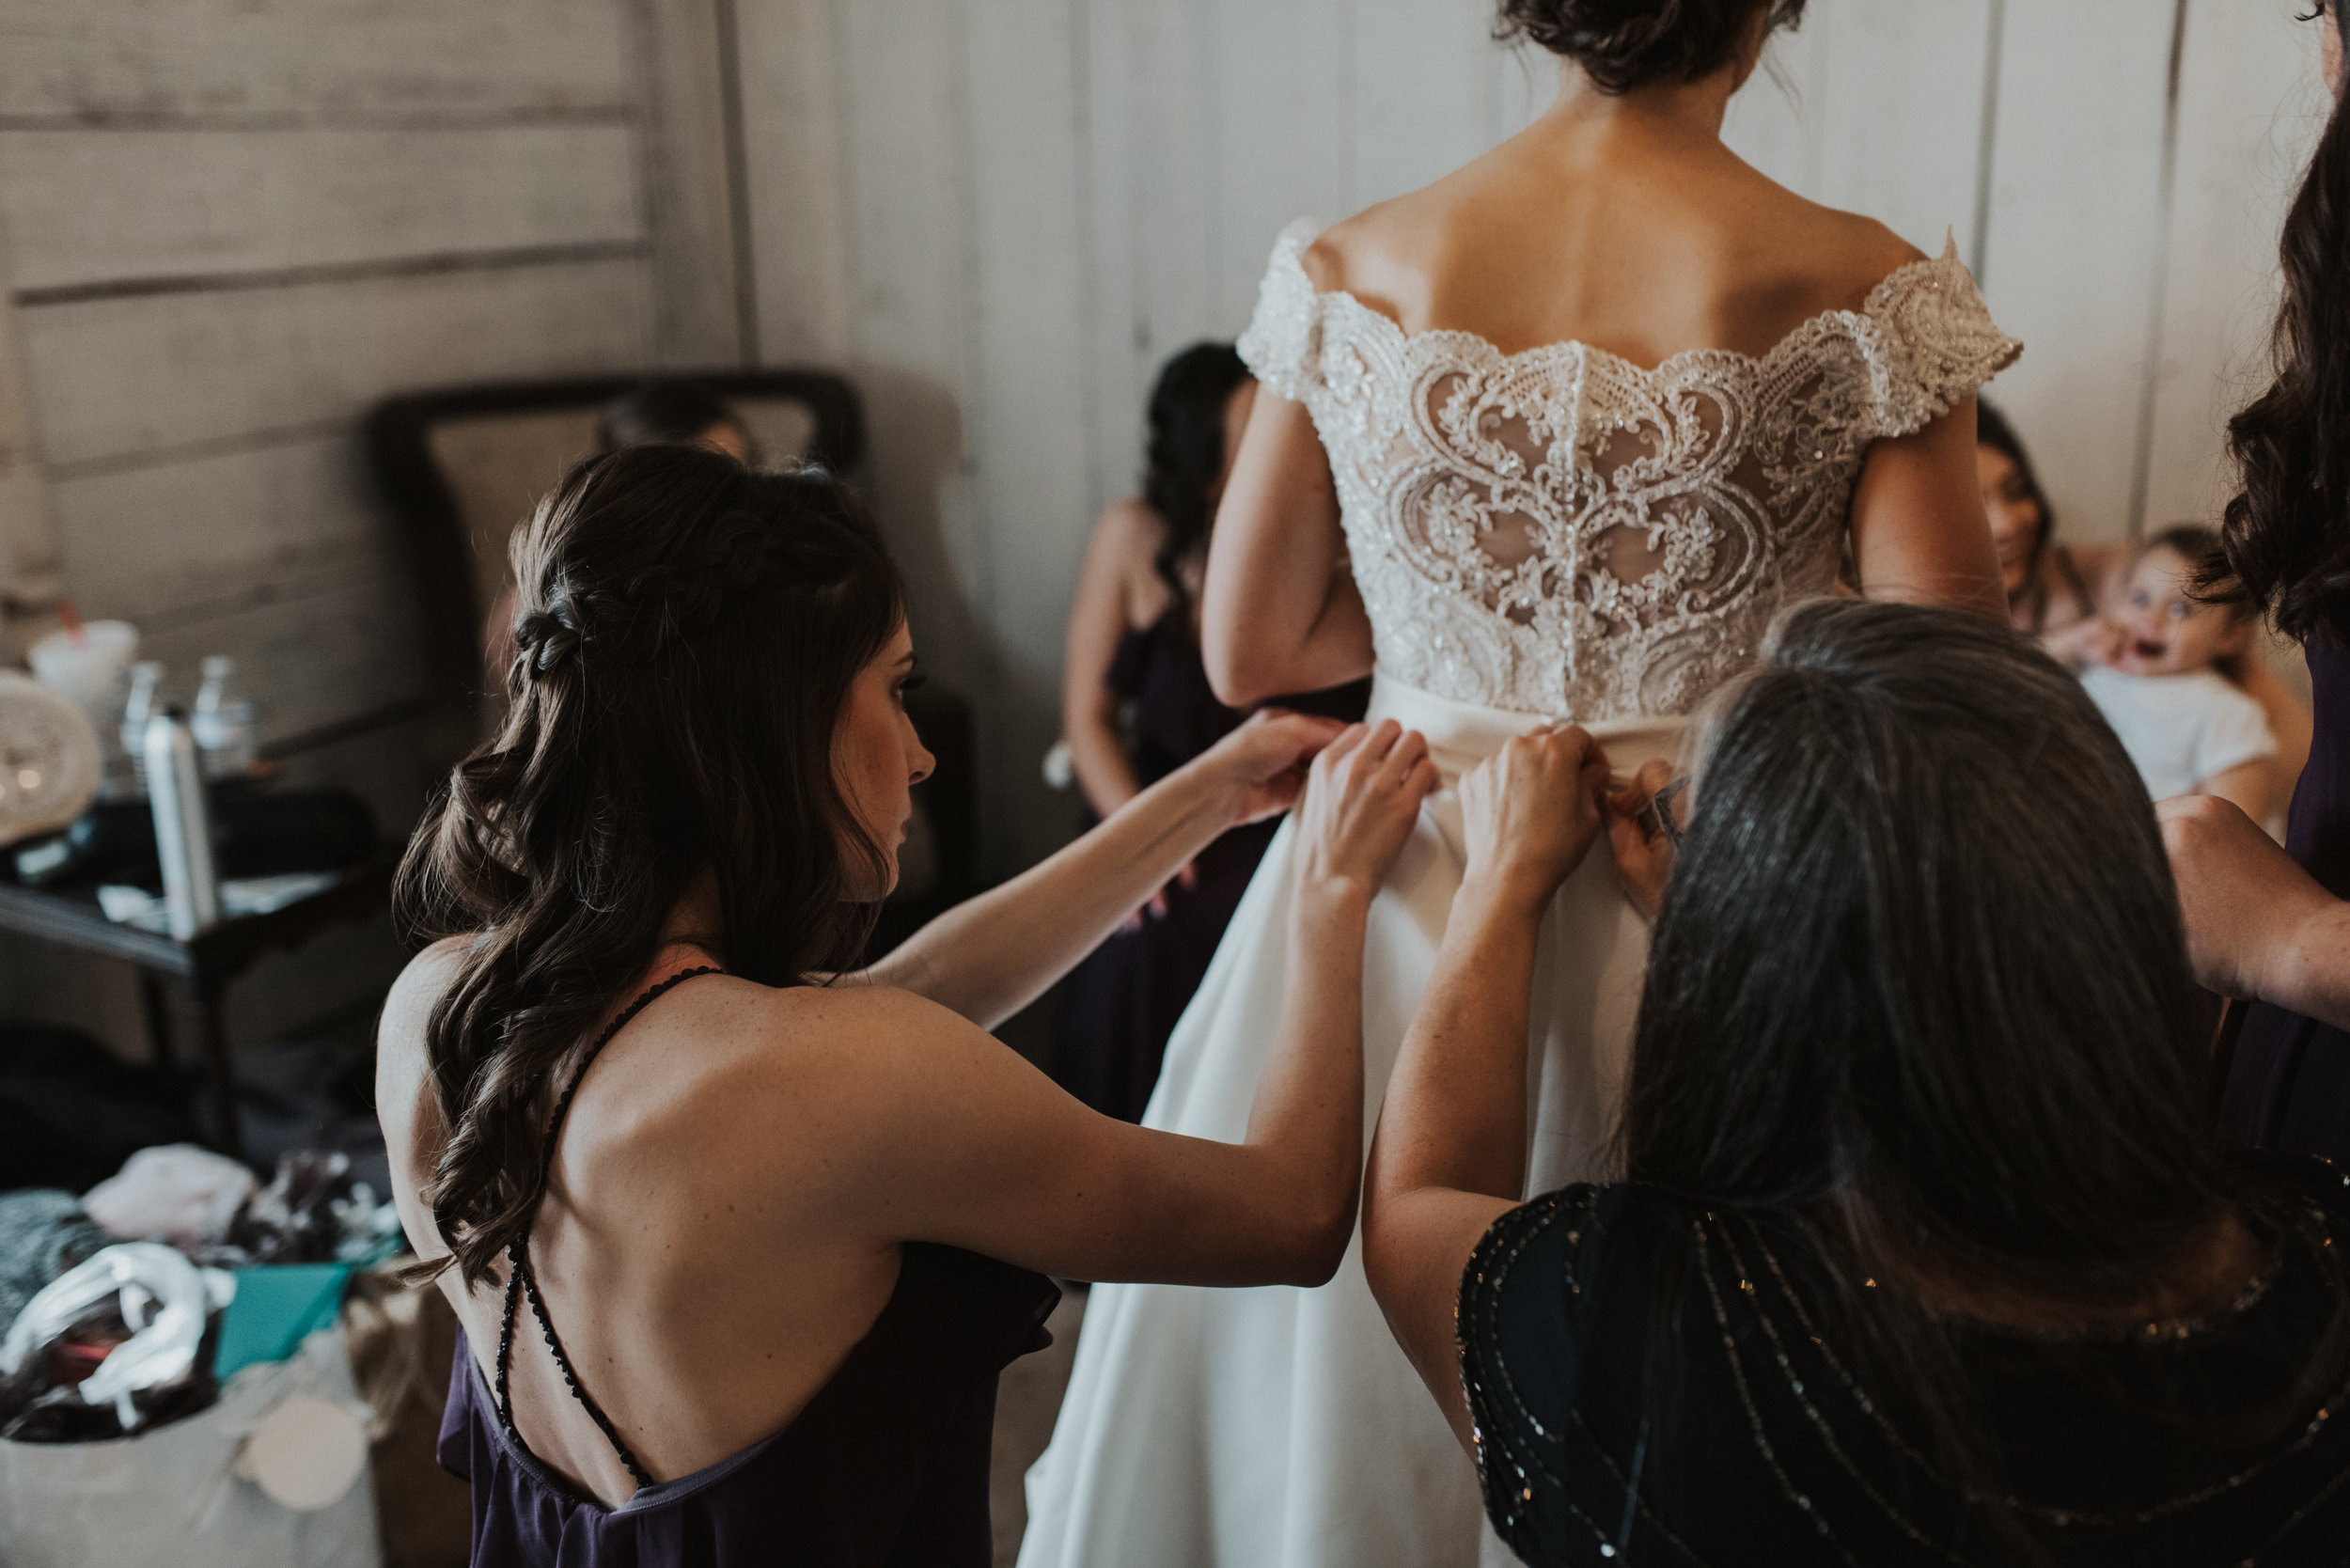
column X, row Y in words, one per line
column 1930, row 342
column 1282, row 346
column 1523, row 1320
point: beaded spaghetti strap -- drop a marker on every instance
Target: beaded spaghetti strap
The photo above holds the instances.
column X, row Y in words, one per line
column 521, row 1281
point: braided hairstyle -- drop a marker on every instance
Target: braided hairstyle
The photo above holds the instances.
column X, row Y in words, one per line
column 688, row 631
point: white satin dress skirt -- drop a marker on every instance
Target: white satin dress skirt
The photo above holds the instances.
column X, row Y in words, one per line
column 1253, row 1428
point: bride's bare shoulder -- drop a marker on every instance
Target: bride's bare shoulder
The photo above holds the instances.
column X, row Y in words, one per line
column 1387, row 253
column 1842, row 254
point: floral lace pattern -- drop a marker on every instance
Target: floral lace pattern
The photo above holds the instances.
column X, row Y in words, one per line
column 1559, row 531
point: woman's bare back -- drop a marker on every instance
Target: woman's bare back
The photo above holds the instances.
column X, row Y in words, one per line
column 1640, row 242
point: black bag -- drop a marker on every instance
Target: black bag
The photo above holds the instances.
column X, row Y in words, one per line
column 75, row 1111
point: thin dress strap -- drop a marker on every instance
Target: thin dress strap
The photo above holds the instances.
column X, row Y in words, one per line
column 520, row 1279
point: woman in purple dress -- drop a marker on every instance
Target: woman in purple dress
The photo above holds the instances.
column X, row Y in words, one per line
column 740, row 1241
column 1136, row 706
column 2267, row 925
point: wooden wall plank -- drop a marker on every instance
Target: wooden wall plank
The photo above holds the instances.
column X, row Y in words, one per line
column 338, row 651
column 94, row 59
column 792, row 132
column 120, row 377
column 2073, row 251
column 209, row 203
column 705, row 302
column 1285, row 121
column 1768, row 124
column 1031, row 428
column 1901, row 145
column 1153, row 195
column 188, row 539
column 2250, row 110
column 268, row 556
column 1421, row 74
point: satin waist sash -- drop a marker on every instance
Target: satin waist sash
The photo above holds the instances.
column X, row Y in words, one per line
column 1462, row 734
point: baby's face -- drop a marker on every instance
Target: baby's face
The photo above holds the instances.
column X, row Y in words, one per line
column 2163, row 630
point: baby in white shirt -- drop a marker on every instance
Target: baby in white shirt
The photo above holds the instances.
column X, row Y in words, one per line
column 2189, row 730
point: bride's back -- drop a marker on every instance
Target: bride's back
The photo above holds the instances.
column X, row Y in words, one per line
column 1623, row 223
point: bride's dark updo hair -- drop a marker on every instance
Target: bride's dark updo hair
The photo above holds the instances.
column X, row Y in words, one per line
column 1623, row 44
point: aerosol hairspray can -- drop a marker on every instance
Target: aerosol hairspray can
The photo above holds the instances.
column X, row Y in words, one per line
column 183, row 824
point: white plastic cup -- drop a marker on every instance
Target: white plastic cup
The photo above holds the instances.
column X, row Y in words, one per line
column 91, row 672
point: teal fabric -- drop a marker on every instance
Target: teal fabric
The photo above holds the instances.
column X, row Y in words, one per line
column 276, row 1307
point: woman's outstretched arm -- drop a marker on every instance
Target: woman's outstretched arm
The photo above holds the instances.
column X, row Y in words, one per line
column 2258, row 926
column 962, row 1141
column 1280, row 612
column 1918, row 532
column 1450, row 1154
column 993, row 955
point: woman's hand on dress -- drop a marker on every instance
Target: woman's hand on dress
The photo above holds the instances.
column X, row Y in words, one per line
column 1644, row 858
column 1532, row 811
column 1262, row 764
column 1365, row 795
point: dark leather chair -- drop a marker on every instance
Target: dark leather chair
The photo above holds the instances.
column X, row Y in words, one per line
column 463, row 466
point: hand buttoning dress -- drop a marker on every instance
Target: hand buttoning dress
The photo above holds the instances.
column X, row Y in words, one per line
column 1554, row 535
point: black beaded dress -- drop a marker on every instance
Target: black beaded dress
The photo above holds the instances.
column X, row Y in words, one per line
column 1616, row 1341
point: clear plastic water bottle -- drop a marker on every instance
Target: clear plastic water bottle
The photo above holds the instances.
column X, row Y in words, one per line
column 223, row 721
column 147, row 695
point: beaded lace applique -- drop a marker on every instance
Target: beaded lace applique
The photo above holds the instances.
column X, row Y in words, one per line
column 1561, row 531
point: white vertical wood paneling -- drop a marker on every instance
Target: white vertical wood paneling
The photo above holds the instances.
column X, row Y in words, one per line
column 2072, row 256
column 1902, row 146
column 2250, row 109
column 687, row 68
column 1827, row 120
column 1031, row 420
column 797, row 188
column 1284, row 113
column 1153, row 191
column 1421, row 79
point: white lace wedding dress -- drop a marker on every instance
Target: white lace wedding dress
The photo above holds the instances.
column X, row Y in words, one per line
column 1550, row 535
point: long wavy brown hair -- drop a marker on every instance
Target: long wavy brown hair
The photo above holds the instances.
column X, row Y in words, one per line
column 688, row 633
column 2286, row 538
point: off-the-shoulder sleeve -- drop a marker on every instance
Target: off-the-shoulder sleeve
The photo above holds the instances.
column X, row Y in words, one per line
column 1282, row 346
column 1931, row 342
column 1523, row 1317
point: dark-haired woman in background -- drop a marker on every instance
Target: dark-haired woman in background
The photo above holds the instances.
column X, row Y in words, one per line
column 1923, row 1252
column 2266, row 924
column 2052, row 589
column 702, row 1208
column 1136, row 705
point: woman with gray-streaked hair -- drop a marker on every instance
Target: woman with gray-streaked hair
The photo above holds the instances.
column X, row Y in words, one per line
column 1923, row 1250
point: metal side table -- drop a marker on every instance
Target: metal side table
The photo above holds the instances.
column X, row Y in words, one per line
column 203, row 966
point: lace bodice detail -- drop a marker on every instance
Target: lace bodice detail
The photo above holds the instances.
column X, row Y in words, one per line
column 1559, row 531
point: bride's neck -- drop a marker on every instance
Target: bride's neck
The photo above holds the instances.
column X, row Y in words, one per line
column 1690, row 111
